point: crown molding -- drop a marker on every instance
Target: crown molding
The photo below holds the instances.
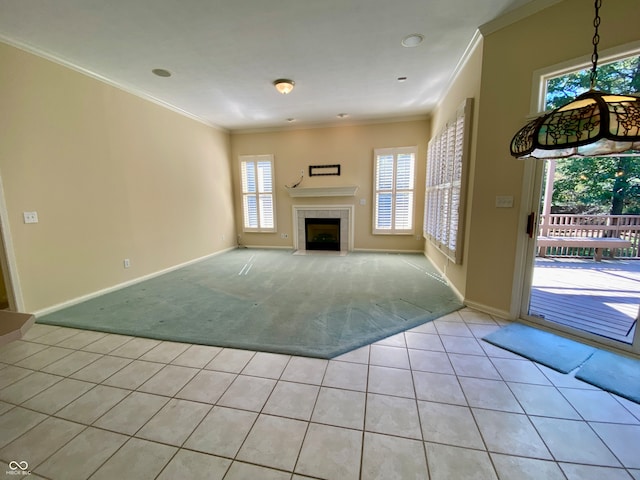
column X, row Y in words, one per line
column 334, row 124
column 516, row 15
column 475, row 42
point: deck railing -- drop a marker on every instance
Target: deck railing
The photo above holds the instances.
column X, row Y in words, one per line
column 626, row 227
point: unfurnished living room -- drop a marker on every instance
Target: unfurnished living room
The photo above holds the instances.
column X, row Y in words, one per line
column 318, row 240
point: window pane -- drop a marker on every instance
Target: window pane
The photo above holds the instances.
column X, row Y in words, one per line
column 266, row 211
column 404, row 172
column 404, row 211
column 394, row 184
column 257, row 188
column 265, row 180
column 248, row 177
column 384, row 172
column 250, row 211
column 384, row 203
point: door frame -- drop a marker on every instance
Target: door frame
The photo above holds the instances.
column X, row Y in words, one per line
column 531, row 194
column 8, row 264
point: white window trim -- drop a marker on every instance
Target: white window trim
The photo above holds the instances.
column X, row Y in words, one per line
column 531, row 185
column 255, row 159
column 395, row 152
column 541, row 76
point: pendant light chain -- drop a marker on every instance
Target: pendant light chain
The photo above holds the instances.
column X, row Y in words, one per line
column 595, row 41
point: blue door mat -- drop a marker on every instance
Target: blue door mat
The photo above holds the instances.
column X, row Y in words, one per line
column 551, row 350
column 613, row 373
column 606, row 370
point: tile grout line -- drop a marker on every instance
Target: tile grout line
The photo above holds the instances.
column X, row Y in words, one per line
column 491, row 358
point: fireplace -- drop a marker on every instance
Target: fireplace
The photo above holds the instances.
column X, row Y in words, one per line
column 340, row 215
column 322, row 234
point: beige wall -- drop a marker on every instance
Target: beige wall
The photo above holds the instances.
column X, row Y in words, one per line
column 465, row 85
column 111, row 175
column 510, row 56
column 350, row 146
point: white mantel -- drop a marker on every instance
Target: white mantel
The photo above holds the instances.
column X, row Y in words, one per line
column 344, row 191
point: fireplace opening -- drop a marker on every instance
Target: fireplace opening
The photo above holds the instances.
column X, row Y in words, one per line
column 322, row 233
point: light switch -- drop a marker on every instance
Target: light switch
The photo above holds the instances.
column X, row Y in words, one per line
column 30, row 217
column 504, row 201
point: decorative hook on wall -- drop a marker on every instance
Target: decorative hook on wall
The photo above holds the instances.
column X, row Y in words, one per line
column 297, row 183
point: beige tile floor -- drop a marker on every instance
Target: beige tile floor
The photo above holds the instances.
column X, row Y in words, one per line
column 433, row 403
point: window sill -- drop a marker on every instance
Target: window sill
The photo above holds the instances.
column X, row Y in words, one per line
column 399, row 233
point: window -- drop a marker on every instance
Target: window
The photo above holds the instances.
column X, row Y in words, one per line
column 446, row 160
column 257, row 193
column 393, row 186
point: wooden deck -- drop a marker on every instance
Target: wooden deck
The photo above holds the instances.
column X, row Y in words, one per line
column 602, row 298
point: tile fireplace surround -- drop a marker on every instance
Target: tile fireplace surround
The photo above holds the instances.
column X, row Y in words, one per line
column 343, row 212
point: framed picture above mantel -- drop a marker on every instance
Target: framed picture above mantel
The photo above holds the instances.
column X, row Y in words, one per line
column 320, row 170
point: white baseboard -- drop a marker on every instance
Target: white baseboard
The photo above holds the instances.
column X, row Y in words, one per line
column 383, row 250
column 366, row 250
column 268, row 247
column 128, row 283
column 504, row 314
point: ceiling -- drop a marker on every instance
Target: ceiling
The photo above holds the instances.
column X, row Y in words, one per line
column 345, row 56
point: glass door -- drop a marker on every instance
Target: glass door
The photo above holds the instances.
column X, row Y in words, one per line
column 584, row 269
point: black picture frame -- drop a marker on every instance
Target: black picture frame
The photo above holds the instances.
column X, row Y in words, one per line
column 319, row 170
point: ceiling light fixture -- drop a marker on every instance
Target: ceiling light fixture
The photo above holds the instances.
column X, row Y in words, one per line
column 594, row 123
column 284, row 85
column 161, row 72
column 402, row 79
column 412, row 40
column 342, row 115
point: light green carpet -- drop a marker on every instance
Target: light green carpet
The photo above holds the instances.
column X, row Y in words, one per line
column 273, row 301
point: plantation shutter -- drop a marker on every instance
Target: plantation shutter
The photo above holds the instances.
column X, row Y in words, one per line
column 444, row 197
column 384, row 192
column 394, row 184
column 404, row 191
column 257, row 192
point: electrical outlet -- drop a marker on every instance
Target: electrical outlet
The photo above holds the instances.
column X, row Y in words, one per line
column 302, row 172
column 127, row 263
column 284, row 235
column 30, row 217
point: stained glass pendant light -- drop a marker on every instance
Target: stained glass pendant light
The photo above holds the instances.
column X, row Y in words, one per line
column 594, row 123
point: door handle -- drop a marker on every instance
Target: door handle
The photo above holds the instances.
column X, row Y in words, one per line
column 531, row 224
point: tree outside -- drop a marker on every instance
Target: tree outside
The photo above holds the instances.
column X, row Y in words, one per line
column 602, row 185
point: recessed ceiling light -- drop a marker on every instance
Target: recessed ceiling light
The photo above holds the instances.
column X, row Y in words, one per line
column 161, row 72
column 291, row 120
column 412, row 40
column 343, row 115
column 402, row 79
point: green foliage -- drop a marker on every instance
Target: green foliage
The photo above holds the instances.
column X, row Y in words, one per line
column 605, row 185
column 597, row 185
column 621, row 77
